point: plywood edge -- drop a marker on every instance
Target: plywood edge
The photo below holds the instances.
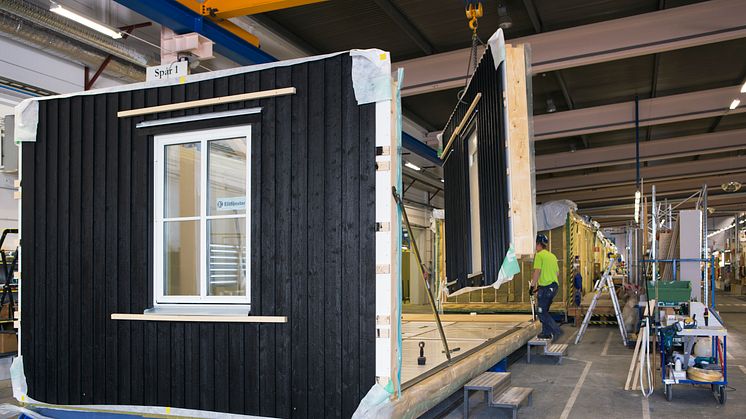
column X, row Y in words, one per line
column 520, row 151
column 198, row 318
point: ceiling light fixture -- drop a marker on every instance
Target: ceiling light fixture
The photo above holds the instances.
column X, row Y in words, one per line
column 98, row 27
column 551, row 107
column 743, row 88
column 503, row 20
column 731, row 186
column 412, row 166
column 734, row 104
column 637, row 206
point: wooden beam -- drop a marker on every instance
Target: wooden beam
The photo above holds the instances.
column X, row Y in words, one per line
column 207, row 102
column 460, row 126
column 200, row 319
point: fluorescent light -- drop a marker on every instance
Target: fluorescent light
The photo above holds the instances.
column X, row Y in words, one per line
column 734, row 104
column 637, row 207
column 412, row 166
column 442, row 181
column 743, row 88
column 56, row 8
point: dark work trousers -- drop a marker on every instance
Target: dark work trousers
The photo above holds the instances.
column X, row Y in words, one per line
column 545, row 296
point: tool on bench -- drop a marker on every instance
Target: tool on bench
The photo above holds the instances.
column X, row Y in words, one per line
column 399, row 202
column 605, row 283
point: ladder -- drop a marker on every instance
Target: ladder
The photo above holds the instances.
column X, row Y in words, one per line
column 605, row 283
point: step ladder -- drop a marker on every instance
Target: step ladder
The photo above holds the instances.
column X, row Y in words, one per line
column 606, row 283
column 498, row 392
column 550, row 349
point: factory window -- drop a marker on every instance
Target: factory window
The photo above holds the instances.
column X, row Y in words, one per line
column 202, row 230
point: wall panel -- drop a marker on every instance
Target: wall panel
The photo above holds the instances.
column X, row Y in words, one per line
column 87, row 234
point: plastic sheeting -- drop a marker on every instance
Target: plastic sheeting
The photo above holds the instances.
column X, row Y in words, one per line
column 371, row 75
column 553, row 214
column 508, row 270
column 371, row 70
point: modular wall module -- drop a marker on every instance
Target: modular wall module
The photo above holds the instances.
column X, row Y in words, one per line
column 262, row 207
column 488, row 168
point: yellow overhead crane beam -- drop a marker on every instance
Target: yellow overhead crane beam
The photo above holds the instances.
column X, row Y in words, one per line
column 220, row 10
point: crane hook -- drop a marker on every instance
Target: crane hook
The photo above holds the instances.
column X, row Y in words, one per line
column 473, row 13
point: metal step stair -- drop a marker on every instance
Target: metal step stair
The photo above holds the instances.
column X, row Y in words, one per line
column 550, row 349
column 513, row 398
column 497, row 392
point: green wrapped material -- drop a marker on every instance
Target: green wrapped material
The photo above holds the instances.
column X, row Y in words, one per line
column 670, row 292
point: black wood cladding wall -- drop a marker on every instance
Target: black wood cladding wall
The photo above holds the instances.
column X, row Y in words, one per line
column 87, row 252
column 493, row 192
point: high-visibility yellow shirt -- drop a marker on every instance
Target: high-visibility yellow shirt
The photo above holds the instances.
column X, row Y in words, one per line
column 547, row 262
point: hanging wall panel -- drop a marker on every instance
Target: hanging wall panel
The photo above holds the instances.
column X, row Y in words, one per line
column 488, row 121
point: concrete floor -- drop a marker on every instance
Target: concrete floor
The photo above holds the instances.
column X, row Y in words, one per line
column 596, row 369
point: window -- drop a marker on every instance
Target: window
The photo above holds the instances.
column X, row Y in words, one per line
column 202, row 229
column 475, row 224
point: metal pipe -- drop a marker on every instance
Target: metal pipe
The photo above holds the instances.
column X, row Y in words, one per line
column 44, row 18
column 704, row 252
column 637, row 142
column 654, row 250
column 35, row 36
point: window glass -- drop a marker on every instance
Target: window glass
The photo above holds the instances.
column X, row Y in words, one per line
column 475, row 225
column 226, row 177
column 181, row 258
column 182, row 186
column 227, row 255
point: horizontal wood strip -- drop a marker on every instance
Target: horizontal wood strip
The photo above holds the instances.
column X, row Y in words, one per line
column 221, row 100
column 460, row 126
column 204, row 319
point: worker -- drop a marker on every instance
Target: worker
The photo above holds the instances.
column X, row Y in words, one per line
column 545, row 283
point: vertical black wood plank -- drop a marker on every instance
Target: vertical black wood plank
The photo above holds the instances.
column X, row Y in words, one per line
column 236, row 368
column 151, row 360
column 206, row 366
column 163, row 329
column 333, row 237
column 366, row 233
column 87, row 278
column 28, row 254
column 283, row 279
column 267, row 373
column 112, row 242
column 298, row 317
column 163, row 361
column 178, row 367
column 351, row 241
column 40, row 244
column 222, row 367
column 99, row 249
column 138, row 287
column 52, row 260
column 253, row 392
column 76, row 246
column 221, row 346
column 316, row 239
column 124, row 243
column 63, row 249
column 191, row 366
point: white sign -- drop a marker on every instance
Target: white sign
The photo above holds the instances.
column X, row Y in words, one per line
column 167, row 71
column 231, row 204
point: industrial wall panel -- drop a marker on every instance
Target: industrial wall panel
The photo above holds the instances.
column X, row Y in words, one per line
column 88, row 238
column 488, row 120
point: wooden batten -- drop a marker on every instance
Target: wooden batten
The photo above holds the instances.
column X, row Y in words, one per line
column 460, row 126
column 221, row 100
column 199, row 319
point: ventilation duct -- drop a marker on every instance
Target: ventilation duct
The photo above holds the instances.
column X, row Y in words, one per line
column 36, row 37
column 46, row 19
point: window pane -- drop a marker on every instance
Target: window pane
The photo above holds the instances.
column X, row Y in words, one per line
column 181, row 258
column 226, row 175
column 182, row 165
column 226, row 249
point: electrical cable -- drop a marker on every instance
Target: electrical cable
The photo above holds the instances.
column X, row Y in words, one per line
column 645, row 362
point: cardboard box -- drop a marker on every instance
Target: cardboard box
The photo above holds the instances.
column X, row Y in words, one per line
column 8, row 342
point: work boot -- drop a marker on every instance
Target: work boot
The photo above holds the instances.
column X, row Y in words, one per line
column 543, row 336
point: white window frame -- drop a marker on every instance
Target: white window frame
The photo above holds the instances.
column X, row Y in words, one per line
column 203, row 137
